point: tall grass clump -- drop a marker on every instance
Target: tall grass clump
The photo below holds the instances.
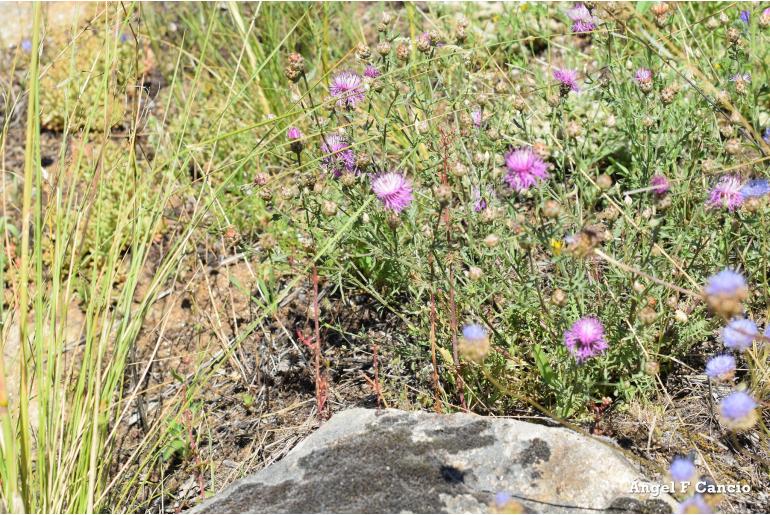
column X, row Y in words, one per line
column 78, row 263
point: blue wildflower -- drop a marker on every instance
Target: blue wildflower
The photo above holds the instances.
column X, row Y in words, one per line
column 682, row 469
column 726, row 282
column 745, row 17
column 737, row 411
column 739, row 334
column 756, row 188
column 474, row 332
column 721, row 367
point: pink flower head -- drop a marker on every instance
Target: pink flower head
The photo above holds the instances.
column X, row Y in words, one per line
column 643, row 76
column 371, row 72
column 567, row 80
column 583, row 20
column 585, row 339
column 727, row 193
column 660, row 184
column 293, row 134
column 525, row 169
column 394, row 190
column 339, row 156
column 347, row 88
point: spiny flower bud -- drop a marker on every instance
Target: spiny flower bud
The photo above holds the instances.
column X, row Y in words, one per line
column 348, row 179
column 764, row 19
column 443, row 193
column 551, row 209
column 491, row 240
column 423, row 43
column 402, row 52
column 362, row 161
column 435, row 38
column 394, row 220
column 488, row 215
column 604, row 181
column 363, row 52
column 574, row 129
column 518, row 103
column 297, row 62
column 733, row 146
column 652, row 368
column 474, row 273
column 559, row 297
column 733, row 36
column 261, row 178
column 329, row 208
column 667, row 95
column 383, row 48
column 459, row 169
column 460, row 35
column 647, row 315
column 584, row 242
column 292, row 74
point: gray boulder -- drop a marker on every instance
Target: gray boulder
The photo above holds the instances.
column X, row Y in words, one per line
column 362, row 461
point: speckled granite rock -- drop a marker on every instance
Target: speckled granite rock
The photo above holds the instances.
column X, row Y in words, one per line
column 396, row 461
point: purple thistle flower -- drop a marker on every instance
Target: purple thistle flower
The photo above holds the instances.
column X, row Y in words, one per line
column 726, row 193
column 371, row 72
column 643, row 76
column 339, row 156
column 721, row 367
column 347, row 88
column 585, row 338
column 293, row 134
column 660, row 184
column 755, row 188
column 694, row 504
column 583, row 20
column 394, row 190
column 727, row 282
column 525, row 169
column 682, row 469
column 567, row 80
column 736, row 411
column 739, row 334
column 745, row 17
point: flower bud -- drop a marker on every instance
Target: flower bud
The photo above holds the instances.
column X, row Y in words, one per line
column 383, row 48
column 559, row 297
column 491, row 240
column 604, row 181
column 474, row 273
column 329, row 208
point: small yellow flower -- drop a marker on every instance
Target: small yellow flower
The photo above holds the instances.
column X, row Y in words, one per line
column 556, row 246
